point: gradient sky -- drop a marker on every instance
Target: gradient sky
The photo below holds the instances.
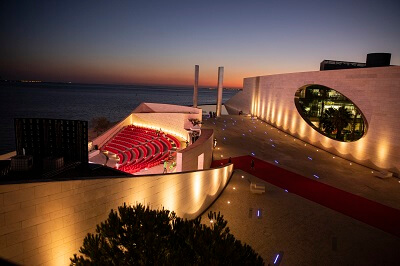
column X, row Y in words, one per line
column 159, row 42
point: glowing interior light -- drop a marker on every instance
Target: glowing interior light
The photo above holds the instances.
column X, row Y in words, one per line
column 276, row 161
column 276, row 259
column 316, row 176
column 211, row 221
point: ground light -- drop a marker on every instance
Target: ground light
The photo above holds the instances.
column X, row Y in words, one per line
column 276, row 259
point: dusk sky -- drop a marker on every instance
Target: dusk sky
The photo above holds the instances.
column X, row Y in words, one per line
column 159, row 42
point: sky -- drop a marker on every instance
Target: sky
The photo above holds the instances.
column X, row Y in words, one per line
column 159, row 42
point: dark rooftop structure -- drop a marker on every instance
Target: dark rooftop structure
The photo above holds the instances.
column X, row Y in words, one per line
column 373, row 60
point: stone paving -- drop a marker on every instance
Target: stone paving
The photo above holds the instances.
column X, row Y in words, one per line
column 306, row 232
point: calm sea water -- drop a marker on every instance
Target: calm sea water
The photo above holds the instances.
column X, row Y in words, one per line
column 85, row 101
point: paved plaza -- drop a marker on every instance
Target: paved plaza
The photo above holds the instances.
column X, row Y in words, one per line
column 306, row 232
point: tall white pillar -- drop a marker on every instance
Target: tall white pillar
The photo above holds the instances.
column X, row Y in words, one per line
column 220, row 87
column 196, row 85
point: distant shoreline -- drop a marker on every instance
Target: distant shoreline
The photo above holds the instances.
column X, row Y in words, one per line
column 37, row 82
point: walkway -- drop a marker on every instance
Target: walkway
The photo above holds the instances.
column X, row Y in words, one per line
column 362, row 209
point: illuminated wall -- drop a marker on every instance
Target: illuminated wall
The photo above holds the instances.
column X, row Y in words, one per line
column 376, row 91
column 187, row 159
column 46, row 222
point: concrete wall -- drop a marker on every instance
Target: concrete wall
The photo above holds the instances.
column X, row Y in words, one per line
column 45, row 223
column 175, row 123
column 187, row 159
column 374, row 90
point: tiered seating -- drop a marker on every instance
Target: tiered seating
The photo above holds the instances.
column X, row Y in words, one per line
column 175, row 140
column 139, row 148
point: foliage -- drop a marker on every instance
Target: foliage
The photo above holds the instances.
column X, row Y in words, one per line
column 100, row 124
column 327, row 121
column 195, row 121
column 336, row 119
column 135, row 235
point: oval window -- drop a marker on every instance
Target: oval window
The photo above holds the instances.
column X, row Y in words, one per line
column 330, row 113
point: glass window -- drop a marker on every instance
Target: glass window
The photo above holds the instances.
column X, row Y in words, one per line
column 330, row 113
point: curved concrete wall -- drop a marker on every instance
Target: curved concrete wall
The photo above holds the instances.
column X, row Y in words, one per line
column 46, row 222
column 188, row 158
column 174, row 123
column 374, row 90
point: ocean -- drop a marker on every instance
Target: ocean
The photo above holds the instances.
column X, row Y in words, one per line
column 85, row 101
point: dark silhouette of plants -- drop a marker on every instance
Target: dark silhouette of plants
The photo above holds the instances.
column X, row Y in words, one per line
column 100, row 124
column 327, row 121
column 336, row 119
column 137, row 235
column 195, row 121
column 341, row 121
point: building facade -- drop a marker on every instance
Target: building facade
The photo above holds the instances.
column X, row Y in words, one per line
column 374, row 91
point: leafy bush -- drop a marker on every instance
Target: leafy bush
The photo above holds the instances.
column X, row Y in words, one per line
column 137, row 235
